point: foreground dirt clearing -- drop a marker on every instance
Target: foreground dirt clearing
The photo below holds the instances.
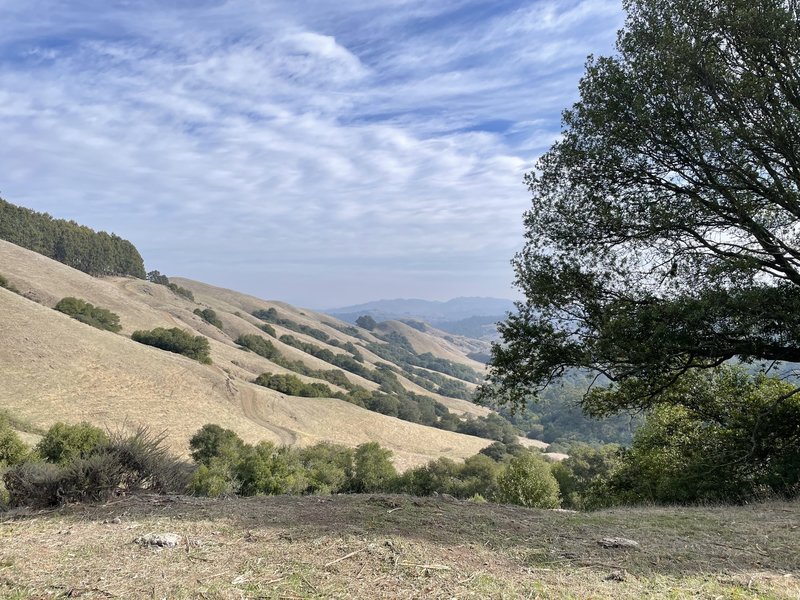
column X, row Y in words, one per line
column 396, row 547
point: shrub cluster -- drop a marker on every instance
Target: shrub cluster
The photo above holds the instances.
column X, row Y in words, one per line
column 176, row 340
column 294, row 386
column 4, row 283
column 227, row 465
column 92, row 467
column 399, row 350
column 259, row 345
column 209, row 315
column 87, row 313
column 270, row 315
column 158, row 278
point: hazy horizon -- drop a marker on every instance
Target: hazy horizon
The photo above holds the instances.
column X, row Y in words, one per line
column 321, row 154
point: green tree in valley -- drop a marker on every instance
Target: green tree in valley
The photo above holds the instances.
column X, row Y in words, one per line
column 527, row 481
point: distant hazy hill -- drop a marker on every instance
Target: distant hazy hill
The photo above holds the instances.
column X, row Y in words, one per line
column 471, row 317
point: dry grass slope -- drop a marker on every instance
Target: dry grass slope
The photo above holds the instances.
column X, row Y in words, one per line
column 55, row 368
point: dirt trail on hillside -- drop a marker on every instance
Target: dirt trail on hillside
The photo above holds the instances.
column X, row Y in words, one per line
column 253, row 407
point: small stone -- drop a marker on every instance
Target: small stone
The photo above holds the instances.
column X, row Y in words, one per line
column 617, row 575
column 160, row 540
column 116, row 520
column 617, row 542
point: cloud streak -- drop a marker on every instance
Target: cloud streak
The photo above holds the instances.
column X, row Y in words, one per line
column 266, row 146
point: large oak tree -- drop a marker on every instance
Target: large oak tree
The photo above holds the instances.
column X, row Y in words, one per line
column 664, row 230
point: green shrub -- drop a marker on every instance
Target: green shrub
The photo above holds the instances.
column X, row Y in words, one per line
column 373, row 470
column 366, row 322
column 63, row 443
column 209, row 316
column 4, row 283
column 176, row 340
column 118, row 466
column 159, row 279
column 87, row 313
column 259, row 345
column 721, row 436
column 583, row 476
column 12, row 449
column 214, row 442
column 294, row 386
column 271, row 470
column 527, row 481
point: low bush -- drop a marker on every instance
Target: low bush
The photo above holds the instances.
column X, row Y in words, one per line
column 63, row 443
column 176, row 340
column 12, row 449
column 209, row 315
column 527, row 481
column 119, row 466
column 85, row 312
column 294, row 386
column 259, row 345
column 4, row 283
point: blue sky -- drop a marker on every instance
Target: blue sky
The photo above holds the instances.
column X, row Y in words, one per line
column 322, row 153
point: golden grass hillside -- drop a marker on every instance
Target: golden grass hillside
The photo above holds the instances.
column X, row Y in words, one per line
column 55, row 368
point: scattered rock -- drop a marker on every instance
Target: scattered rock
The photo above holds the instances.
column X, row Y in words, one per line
column 617, row 575
column 160, row 540
column 617, row 542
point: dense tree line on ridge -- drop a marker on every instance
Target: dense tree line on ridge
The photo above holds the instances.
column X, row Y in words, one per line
column 78, row 246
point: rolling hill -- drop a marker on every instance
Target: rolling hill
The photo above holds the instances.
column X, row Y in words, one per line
column 57, row 368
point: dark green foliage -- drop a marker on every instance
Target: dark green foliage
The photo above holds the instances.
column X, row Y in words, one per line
column 87, row 313
column 4, row 283
column 555, row 416
column 95, row 253
column 267, row 328
column 418, row 325
column 294, row 386
column 499, row 451
column 12, row 449
column 373, row 470
column 259, row 345
column 344, row 328
column 117, row 466
column 270, row 315
column 212, row 441
column 176, row 340
column 663, row 232
column 229, row 466
column 209, row 316
column 476, row 475
column 64, row 443
column 718, row 436
column 527, row 481
column 399, row 351
column 366, row 322
column 492, row 426
column 583, row 476
column 158, row 278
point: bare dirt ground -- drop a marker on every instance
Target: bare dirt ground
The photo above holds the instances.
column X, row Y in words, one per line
column 380, row 546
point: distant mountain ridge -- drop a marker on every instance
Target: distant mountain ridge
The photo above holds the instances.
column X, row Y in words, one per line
column 468, row 316
column 430, row 310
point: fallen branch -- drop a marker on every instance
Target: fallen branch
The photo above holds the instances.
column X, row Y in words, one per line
column 431, row 567
column 346, row 556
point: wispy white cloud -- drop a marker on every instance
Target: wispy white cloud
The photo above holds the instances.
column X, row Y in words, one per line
column 252, row 143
